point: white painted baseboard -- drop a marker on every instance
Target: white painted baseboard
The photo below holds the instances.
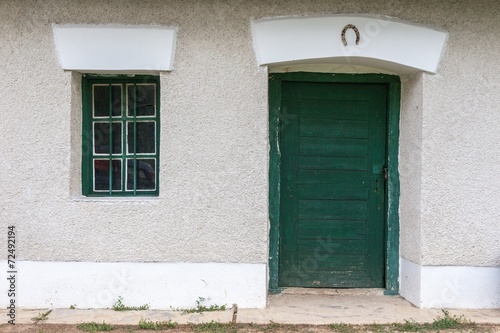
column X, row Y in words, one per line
column 166, row 285
column 161, row 285
column 459, row 287
column 409, row 280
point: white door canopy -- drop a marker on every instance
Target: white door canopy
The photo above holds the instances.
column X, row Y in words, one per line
column 378, row 42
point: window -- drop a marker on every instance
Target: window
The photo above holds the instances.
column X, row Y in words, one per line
column 120, row 136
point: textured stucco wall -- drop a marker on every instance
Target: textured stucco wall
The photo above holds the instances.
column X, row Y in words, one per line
column 410, row 167
column 213, row 201
column 461, row 144
column 214, row 152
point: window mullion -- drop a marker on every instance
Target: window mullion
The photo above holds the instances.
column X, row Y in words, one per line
column 110, row 89
column 135, row 138
column 124, row 136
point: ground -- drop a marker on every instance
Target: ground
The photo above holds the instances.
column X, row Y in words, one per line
column 301, row 313
column 250, row 328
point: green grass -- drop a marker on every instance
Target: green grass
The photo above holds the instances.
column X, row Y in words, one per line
column 446, row 323
column 203, row 308
column 214, row 327
column 146, row 324
column 451, row 322
column 440, row 323
column 274, row 326
column 408, row 326
column 119, row 306
column 94, row 327
column 341, row 327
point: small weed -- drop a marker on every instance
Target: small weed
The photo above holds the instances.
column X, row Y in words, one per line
column 279, row 327
column 41, row 317
column 94, row 327
column 408, row 326
column 119, row 306
column 202, row 308
column 341, row 327
column 214, row 327
column 450, row 322
column 379, row 328
column 440, row 323
column 72, row 306
column 146, row 324
column 272, row 326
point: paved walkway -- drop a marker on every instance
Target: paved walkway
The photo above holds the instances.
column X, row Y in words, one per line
column 283, row 308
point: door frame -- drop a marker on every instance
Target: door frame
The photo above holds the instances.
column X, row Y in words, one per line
column 391, row 231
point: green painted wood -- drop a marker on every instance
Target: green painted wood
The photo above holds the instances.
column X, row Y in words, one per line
column 274, row 179
column 375, row 240
column 336, row 78
column 327, row 192
column 333, row 163
column 116, row 115
column 332, row 209
column 311, row 277
column 341, row 262
column 309, row 248
column 349, row 229
column 86, row 139
column 321, row 109
column 392, row 189
column 289, row 207
column 392, row 225
column 338, row 147
column 320, row 125
column 338, row 178
column 333, row 128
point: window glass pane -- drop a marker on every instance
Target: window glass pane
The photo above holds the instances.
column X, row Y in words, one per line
column 144, row 136
column 145, row 170
column 101, row 138
column 144, row 100
column 101, row 100
column 101, row 175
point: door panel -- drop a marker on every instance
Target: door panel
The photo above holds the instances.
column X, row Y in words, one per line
column 333, row 145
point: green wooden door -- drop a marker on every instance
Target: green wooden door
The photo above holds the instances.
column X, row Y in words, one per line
column 333, row 146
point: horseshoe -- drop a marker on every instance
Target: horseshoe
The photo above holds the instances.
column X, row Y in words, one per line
column 353, row 27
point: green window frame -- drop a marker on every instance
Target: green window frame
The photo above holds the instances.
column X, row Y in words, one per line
column 120, row 136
